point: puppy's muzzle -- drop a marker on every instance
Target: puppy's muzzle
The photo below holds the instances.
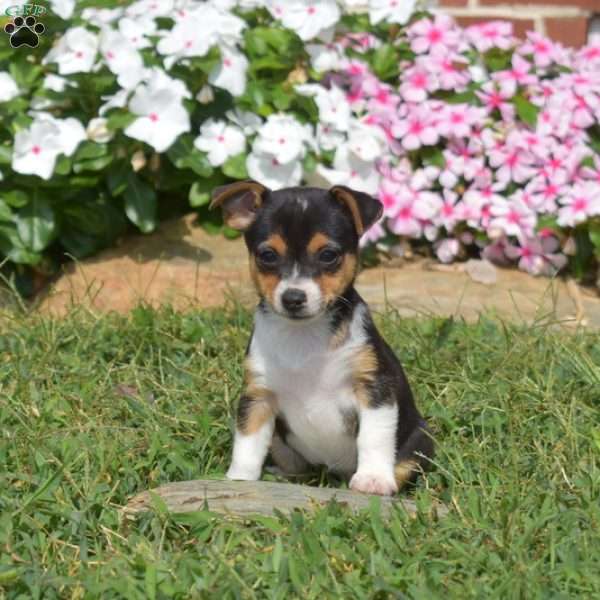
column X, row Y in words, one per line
column 294, row 300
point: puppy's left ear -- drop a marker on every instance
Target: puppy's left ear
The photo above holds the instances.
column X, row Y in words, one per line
column 365, row 209
column 240, row 201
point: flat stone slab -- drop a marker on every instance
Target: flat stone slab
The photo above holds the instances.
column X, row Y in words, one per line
column 248, row 498
column 180, row 264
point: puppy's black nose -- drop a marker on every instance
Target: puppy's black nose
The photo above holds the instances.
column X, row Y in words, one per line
column 293, row 299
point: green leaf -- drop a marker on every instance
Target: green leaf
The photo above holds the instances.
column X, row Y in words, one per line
column 5, row 155
column 119, row 120
column 434, row 156
column 117, row 177
column 235, row 167
column 5, row 211
column 140, row 203
column 89, row 150
column 94, row 164
column 185, row 155
column 594, row 234
column 198, row 196
column 13, row 248
column 547, row 222
column 36, row 224
column 527, row 111
column 15, row 198
column 63, row 165
column 497, row 59
column 385, row 62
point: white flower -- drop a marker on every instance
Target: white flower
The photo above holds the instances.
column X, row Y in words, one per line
column 355, row 6
column 56, row 83
column 308, row 18
column 333, row 107
column 220, row 141
column 350, row 170
column 324, row 57
column 189, row 37
column 8, row 87
column 151, row 8
column 122, row 58
column 162, row 117
column 392, row 11
column 328, row 138
column 231, row 73
column 275, row 175
column 101, row 16
column 282, row 137
column 75, row 52
column 136, row 30
column 37, row 148
column 366, row 142
column 71, row 131
column 97, row 131
column 118, row 100
column 247, row 121
column 63, row 8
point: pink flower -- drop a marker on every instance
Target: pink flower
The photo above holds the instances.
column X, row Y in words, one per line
column 512, row 164
column 413, row 208
column 457, row 120
column 518, row 75
column 448, row 215
column 493, row 34
column 579, row 203
column 537, row 256
column 416, row 84
column 447, row 250
column 513, row 217
column 435, row 37
column 417, row 128
column 450, row 70
column 541, row 49
column 544, row 194
column 494, row 98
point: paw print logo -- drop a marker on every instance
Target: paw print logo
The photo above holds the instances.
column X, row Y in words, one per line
column 24, row 32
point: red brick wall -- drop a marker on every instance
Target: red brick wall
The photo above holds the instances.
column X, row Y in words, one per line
column 566, row 21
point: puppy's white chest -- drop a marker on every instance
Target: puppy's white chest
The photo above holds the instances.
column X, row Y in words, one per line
column 313, row 386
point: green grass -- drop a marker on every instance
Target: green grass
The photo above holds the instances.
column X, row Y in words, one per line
column 93, row 410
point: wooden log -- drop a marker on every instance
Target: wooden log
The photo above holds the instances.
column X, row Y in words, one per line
column 247, row 498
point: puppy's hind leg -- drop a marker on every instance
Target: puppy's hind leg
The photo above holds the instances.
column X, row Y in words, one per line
column 414, row 456
column 286, row 459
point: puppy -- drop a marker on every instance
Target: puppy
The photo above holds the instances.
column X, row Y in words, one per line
column 321, row 387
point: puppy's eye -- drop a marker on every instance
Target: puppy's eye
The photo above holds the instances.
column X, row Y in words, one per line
column 268, row 257
column 328, row 256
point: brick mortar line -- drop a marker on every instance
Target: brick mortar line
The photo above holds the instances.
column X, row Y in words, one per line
column 519, row 12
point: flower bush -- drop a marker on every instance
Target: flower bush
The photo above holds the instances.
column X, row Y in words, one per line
column 476, row 143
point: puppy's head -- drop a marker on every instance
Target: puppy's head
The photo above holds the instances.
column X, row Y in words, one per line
column 303, row 242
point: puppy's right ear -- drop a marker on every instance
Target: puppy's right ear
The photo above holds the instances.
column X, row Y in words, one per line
column 240, row 202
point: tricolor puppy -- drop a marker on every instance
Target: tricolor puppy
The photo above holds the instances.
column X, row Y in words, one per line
column 322, row 387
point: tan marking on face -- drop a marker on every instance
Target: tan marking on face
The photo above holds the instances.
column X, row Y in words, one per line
column 404, row 471
column 277, row 243
column 350, row 201
column 364, row 369
column 318, row 241
column 264, row 283
column 334, row 284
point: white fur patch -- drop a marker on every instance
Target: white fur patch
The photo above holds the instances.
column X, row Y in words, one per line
column 314, row 298
column 249, row 453
column 312, row 384
column 376, row 451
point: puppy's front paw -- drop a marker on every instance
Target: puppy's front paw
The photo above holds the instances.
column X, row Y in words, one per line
column 374, row 483
column 242, row 474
